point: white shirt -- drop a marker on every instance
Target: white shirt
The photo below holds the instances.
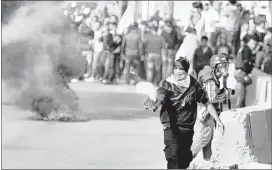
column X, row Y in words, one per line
column 210, row 18
column 98, row 46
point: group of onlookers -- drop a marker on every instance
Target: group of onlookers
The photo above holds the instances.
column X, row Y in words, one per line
column 147, row 50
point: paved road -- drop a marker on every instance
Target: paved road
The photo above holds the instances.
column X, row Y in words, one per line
column 119, row 134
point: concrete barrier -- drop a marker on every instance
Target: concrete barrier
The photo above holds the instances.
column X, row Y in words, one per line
column 260, row 90
column 247, row 138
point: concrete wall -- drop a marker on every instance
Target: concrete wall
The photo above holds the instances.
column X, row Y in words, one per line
column 260, row 90
column 247, row 137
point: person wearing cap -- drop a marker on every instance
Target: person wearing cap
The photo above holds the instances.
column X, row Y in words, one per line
column 209, row 79
column 171, row 39
column 178, row 96
column 154, row 48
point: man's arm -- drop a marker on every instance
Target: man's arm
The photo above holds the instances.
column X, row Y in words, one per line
column 213, row 112
column 203, row 98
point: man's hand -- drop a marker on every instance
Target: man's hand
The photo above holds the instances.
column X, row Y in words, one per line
column 214, row 114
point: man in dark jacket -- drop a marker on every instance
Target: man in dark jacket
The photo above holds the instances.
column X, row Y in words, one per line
column 178, row 96
column 132, row 49
column 202, row 55
column 106, row 56
column 243, row 67
column 171, row 39
column 154, row 48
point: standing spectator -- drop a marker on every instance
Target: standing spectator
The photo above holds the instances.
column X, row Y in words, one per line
column 252, row 31
column 85, row 37
column 267, row 59
column 230, row 21
column 132, row 49
column 97, row 50
column 202, row 55
column 116, row 51
column 243, row 67
column 211, row 17
column 171, row 40
column 154, row 48
column 107, row 53
column 196, row 20
column 187, row 49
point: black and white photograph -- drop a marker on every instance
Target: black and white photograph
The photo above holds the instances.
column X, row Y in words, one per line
column 136, row 84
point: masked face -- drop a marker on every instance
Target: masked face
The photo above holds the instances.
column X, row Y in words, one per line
column 221, row 70
column 180, row 74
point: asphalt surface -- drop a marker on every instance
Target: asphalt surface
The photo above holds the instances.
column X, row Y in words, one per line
column 118, row 133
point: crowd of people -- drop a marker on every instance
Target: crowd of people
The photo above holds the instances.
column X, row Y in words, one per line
column 147, row 50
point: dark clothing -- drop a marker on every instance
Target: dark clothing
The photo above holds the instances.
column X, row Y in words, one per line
column 241, row 96
column 177, row 148
column 243, row 66
column 201, row 58
column 107, row 41
column 179, row 105
column 179, row 110
column 154, row 44
column 244, row 60
column 132, row 45
column 170, row 39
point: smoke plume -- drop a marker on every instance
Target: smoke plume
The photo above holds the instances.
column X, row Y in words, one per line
column 40, row 54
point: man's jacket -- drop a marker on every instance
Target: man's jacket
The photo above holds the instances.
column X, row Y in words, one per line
column 179, row 104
